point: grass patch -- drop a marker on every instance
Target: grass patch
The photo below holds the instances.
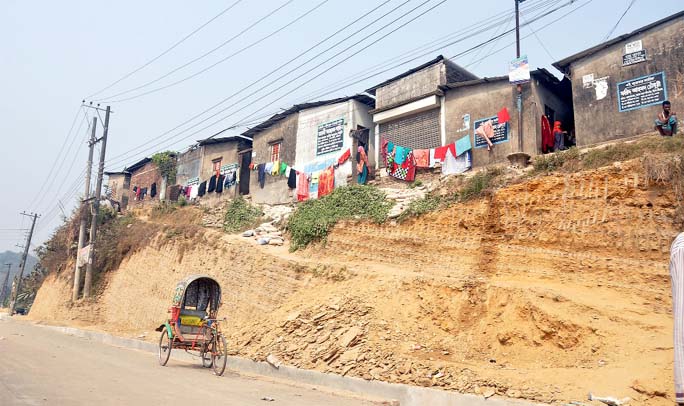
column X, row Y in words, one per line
column 421, row 206
column 555, row 162
column 240, row 215
column 315, row 218
column 476, row 185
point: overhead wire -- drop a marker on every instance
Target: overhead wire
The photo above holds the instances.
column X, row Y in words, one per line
column 542, row 27
column 250, row 85
column 172, row 47
column 327, row 60
column 631, row 3
column 257, row 100
column 204, row 55
column 54, row 163
column 229, row 115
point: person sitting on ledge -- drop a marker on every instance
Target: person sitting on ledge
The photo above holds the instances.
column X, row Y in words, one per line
column 666, row 123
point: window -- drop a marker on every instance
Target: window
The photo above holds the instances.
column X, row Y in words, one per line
column 217, row 164
column 275, row 151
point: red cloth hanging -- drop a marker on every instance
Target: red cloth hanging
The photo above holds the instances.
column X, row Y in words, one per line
column 546, row 135
column 440, row 152
column 326, row 181
column 302, row 186
column 344, row 157
column 503, row 116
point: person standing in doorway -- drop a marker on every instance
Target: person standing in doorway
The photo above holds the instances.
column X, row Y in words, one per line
column 666, row 123
column 362, row 165
column 677, row 277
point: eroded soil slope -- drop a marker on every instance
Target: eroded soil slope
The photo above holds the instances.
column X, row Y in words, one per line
column 545, row 290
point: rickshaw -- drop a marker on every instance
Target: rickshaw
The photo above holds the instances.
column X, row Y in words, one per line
column 193, row 325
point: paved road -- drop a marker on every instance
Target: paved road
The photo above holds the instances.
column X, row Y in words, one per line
column 43, row 367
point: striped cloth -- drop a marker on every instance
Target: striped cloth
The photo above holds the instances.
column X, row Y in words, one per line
column 677, row 275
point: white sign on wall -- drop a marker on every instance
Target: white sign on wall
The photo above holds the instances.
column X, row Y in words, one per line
column 588, row 81
column 634, row 46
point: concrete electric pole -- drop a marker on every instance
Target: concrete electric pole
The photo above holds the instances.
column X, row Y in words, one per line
column 22, row 264
column 84, row 219
column 96, row 209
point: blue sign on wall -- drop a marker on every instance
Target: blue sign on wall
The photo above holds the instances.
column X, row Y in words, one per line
column 642, row 92
column 500, row 132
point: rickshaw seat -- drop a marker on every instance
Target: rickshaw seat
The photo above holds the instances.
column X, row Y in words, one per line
column 189, row 312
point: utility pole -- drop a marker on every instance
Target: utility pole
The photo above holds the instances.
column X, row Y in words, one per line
column 22, row 264
column 3, row 290
column 84, row 219
column 517, row 55
column 96, row 209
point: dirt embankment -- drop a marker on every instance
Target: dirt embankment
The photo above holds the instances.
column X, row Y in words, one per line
column 544, row 290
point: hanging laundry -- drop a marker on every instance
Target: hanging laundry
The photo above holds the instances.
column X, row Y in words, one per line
column 463, row 145
column 138, row 192
column 422, row 157
column 503, row 116
column 433, row 160
column 453, row 165
column 202, row 190
column 291, row 178
column 219, row 183
column 212, row 184
column 269, row 167
column 440, row 152
column 194, row 192
column 343, row 158
column 283, row 168
column 405, row 171
column 546, row 135
column 400, row 154
column 326, row 181
column 315, row 177
column 384, row 143
column 261, row 174
column 275, row 169
column 390, row 147
column 153, row 190
column 486, row 131
column 341, row 178
column 302, row 186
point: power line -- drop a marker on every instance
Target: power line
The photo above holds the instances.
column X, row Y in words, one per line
column 247, row 87
column 540, row 29
column 538, row 39
column 59, row 154
column 631, row 3
column 148, row 63
column 215, row 122
column 109, row 98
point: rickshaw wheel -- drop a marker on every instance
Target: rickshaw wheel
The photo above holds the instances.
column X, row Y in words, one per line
column 207, row 359
column 219, row 354
column 165, row 347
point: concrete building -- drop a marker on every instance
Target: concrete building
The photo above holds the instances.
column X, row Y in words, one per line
column 410, row 109
column 119, row 184
column 618, row 86
column 308, row 137
column 145, row 175
column 471, row 102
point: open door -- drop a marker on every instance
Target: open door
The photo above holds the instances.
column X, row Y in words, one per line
column 245, row 161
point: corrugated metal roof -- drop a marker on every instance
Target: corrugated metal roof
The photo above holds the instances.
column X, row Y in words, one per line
column 563, row 64
column 538, row 72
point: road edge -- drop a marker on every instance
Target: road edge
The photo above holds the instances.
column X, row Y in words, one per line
column 405, row 395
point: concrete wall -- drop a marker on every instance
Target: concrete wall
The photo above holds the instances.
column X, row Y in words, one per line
column 226, row 151
column 275, row 190
column 417, row 84
column 483, row 101
column 144, row 177
column 188, row 166
column 600, row 120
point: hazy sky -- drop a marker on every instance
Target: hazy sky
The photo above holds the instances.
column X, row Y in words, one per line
column 56, row 53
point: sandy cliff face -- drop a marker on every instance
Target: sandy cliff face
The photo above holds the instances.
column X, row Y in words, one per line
column 546, row 289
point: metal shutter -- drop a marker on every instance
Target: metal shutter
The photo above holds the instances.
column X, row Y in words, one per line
column 419, row 131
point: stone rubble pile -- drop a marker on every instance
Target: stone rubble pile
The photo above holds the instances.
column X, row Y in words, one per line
column 266, row 234
column 345, row 338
